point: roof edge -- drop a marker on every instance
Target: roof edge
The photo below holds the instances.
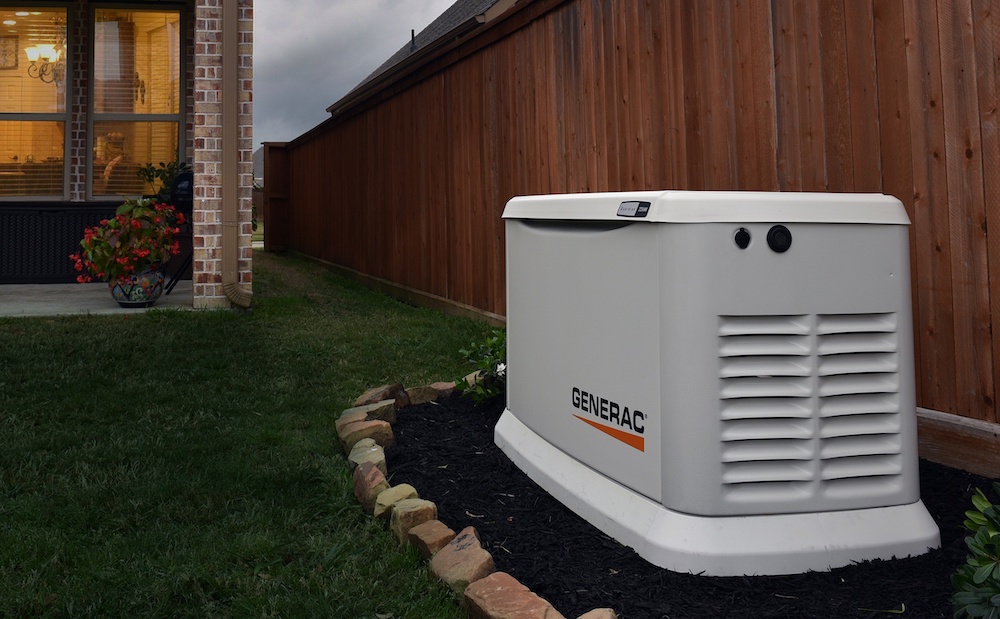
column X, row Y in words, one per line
column 421, row 56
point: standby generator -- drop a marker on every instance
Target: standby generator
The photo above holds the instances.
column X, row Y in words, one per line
column 723, row 381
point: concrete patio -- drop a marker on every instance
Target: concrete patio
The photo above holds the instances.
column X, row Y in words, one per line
column 73, row 299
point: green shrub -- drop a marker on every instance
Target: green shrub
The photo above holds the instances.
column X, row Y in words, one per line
column 977, row 583
column 489, row 358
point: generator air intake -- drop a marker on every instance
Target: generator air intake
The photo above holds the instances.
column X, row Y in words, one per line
column 723, row 381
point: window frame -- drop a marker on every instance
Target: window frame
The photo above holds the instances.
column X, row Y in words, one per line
column 66, row 116
column 95, row 117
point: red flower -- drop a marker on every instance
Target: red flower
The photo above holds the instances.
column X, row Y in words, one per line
column 140, row 235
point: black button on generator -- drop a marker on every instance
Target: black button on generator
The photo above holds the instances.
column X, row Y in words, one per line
column 779, row 239
column 742, row 238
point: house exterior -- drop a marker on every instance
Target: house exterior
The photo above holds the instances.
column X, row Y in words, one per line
column 403, row 186
column 90, row 92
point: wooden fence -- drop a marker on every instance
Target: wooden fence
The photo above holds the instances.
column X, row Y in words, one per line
column 892, row 96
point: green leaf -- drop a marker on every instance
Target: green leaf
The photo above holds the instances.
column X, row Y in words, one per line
column 975, row 545
column 983, row 573
column 964, row 598
column 992, row 516
column 980, row 501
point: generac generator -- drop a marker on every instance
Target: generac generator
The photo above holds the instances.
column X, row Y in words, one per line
column 721, row 380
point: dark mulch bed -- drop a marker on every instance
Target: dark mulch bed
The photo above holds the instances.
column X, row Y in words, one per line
column 446, row 451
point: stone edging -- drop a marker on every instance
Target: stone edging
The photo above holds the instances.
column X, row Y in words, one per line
column 459, row 560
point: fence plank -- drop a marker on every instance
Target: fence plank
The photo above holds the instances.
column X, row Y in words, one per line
column 753, row 91
column 675, row 96
column 652, row 76
column 836, row 96
column 716, row 90
column 896, row 153
column 859, row 23
column 963, row 155
column 933, row 322
column 788, row 118
column 894, row 147
column 694, row 120
column 987, row 35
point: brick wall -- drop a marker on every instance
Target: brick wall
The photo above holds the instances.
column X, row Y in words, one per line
column 208, row 223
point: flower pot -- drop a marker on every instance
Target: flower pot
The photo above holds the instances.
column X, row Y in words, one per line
column 140, row 289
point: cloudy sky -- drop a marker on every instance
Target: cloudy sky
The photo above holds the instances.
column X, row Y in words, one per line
column 310, row 53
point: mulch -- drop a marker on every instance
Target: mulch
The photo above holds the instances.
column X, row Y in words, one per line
column 446, row 451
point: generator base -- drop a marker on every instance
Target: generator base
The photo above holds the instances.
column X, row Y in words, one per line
column 717, row 546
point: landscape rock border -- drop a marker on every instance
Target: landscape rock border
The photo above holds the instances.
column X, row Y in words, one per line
column 458, row 560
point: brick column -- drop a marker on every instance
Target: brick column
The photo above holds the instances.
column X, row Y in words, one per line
column 207, row 273
column 78, row 31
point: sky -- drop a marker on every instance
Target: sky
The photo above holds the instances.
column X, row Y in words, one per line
column 310, row 53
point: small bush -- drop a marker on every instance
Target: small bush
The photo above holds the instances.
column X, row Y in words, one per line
column 489, row 358
column 977, row 583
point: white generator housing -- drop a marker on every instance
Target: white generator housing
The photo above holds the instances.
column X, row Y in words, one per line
column 723, row 381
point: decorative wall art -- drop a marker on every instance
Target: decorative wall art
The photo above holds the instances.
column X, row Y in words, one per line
column 8, row 52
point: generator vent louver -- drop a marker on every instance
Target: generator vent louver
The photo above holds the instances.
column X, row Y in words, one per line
column 809, row 408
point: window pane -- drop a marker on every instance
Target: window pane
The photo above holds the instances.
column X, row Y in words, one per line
column 137, row 62
column 31, row 162
column 39, row 85
column 122, row 147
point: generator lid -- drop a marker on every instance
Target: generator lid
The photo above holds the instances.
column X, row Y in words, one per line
column 712, row 207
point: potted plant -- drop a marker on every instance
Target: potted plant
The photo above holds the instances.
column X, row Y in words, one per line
column 130, row 251
column 165, row 173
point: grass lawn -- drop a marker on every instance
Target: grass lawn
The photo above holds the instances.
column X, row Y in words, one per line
column 184, row 464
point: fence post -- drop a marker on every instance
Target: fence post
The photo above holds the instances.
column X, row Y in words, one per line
column 276, row 190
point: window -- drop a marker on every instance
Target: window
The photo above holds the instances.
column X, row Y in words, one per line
column 136, row 98
column 114, row 107
column 33, row 94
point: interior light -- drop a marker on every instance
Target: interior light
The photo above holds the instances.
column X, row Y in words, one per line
column 22, row 13
column 9, row 22
column 44, row 62
column 46, row 51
